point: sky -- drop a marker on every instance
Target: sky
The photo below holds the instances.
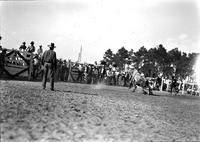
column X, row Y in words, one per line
column 98, row 25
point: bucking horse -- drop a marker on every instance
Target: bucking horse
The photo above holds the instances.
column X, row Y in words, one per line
column 138, row 79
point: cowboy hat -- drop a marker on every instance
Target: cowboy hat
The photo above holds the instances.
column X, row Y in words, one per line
column 52, row 45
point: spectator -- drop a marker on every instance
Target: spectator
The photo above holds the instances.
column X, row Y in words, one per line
column 23, row 46
column 40, row 51
column 31, row 48
column 109, row 76
column 80, row 73
column 173, row 84
column 66, row 70
column 158, row 82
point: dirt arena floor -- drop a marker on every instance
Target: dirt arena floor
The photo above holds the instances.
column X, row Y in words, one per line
column 94, row 113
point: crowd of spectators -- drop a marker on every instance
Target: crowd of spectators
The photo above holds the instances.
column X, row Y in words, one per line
column 91, row 73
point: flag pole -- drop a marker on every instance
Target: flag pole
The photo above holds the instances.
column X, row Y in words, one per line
column 80, row 54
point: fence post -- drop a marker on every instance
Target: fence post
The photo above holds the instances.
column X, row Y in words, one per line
column 161, row 86
column 183, row 87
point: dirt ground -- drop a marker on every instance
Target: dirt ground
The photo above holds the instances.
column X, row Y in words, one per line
column 94, row 113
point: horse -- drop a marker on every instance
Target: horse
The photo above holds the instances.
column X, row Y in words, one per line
column 137, row 78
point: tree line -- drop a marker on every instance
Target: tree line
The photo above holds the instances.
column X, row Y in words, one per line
column 155, row 61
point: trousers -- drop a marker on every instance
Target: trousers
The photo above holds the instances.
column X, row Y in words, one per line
column 48, row 68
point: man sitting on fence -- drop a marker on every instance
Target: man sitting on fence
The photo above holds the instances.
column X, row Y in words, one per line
column 49, row 63
column 23, row 47
column 31, row 48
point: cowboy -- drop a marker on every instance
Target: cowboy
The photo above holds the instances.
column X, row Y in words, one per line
column 49, row 63
column 23, row 46
column 174, row 84
column 31, row 48
column 40, row 51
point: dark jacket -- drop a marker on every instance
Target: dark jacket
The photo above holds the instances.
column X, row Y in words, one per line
column 49, row 56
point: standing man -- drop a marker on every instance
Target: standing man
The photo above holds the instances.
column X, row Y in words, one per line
column 40, row 51
column 30, row 50
column 173, row 84
column 49, row 63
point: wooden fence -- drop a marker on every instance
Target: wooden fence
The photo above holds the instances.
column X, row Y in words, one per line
column 18, row 63
column 21, row 64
